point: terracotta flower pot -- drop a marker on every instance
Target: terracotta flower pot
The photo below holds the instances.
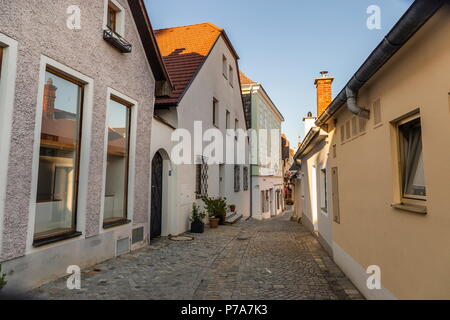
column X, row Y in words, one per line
column 213, row 223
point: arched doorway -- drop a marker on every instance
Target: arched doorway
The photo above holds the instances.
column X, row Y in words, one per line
column 157, row 196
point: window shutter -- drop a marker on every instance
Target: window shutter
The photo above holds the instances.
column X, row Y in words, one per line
column 347, row 130
column 354, row 126
column 342, row 133
column 377, row 112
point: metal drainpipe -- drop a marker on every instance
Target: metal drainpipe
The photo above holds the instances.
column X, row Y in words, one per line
column 352, row 104
column 250, row 160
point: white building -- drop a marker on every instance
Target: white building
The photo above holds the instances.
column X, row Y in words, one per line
column 313, row 186
column 267, row 176
column 203, row 66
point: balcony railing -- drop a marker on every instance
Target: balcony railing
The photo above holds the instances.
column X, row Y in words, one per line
column 117, row 41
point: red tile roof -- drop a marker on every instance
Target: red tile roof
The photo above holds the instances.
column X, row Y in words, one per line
column 245, row 79
column 184, row 49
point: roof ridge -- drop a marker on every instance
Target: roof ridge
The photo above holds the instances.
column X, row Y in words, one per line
column 193, row 25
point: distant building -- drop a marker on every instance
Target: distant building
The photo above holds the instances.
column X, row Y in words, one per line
column 267, row 176
column 204, row 68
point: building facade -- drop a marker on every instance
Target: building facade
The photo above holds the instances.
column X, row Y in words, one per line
column 267, row 170
column 75, row 143
column 388, row 131
column 201, row 60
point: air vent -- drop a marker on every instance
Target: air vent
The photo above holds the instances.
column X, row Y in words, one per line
column 354, row 126
column 138, row 235
column 122, row 246
column 377, row 112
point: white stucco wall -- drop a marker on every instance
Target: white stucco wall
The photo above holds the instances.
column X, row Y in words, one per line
column 196, row 105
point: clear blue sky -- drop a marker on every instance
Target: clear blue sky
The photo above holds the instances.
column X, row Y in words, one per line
column 283, row 44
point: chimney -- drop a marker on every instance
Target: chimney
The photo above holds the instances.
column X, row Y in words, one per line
column 49, row 98
column 324, row 92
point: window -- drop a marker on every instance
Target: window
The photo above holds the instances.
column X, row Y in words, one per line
column 227, row 120
column 245, row 176
column 323, row 190
column 342, row 129
column 225, row 67
column 201, row 179
column 237, row 178
column 59, row 156
column 111, row 21
column 117, row 162
column 230, row 73
column 215, row 115
column 411, row 159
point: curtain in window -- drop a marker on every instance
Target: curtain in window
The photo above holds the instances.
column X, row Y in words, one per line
column 413, row 181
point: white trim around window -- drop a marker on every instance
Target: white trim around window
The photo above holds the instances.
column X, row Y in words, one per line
column 132, row 155
column 120, row 16
column 88, row 103
column 7, row 93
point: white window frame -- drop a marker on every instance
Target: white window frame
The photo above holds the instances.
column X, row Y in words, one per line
column 323, row 185
column 406, row 198
column 7, row 94
column 88, row 107
column 131, row 160
column 120, row 16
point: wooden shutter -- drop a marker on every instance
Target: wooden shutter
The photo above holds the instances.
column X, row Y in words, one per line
column 377, row 112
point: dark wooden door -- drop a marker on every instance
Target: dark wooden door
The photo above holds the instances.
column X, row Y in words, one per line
column 156, row 213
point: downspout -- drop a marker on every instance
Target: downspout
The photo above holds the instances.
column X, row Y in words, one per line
column 416, row 16
column 352, row 104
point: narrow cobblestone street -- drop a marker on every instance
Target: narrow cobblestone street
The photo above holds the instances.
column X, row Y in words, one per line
column 274, row 259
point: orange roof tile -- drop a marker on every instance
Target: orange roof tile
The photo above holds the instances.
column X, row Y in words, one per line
column 245, row 79
column 184, row 49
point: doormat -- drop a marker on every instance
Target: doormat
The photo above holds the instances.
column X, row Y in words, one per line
column 181, row 238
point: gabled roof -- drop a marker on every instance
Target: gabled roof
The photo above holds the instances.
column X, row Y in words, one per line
column 184, row 50
column 163, row 84
column 245, row 79
column 247, row 82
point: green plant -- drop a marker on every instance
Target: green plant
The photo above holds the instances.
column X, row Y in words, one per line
column 3, row 281
column 197, row 214
column 216, row 207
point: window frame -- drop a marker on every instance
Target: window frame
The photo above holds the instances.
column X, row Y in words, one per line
column 134, row 109
column 230, row 75
column 73, row 230
column 323, row 190
column 215, row 113
column 407, row 198
column 124, row 219
column 8, row 70
column 84, row 144
column 225, row 66
column 119, row 16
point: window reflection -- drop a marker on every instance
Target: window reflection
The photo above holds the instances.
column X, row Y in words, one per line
column 58, row 156
column 116, row 188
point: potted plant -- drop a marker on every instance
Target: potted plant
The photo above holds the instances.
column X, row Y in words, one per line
column 232, row 207
column 197, row 224
column 216, row 208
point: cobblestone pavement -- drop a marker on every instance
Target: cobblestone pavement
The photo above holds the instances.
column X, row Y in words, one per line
column 274, row 259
